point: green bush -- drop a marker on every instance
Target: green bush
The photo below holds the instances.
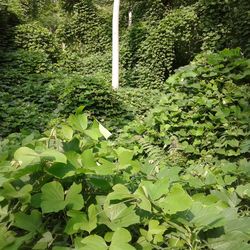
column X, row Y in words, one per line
column 46, row 95
column 171, row 44
column 225, row 24
column 33, row 36
column 204, row 116
column 95, row 64
column 86, row 30
column 91, row 92
column 138, row 100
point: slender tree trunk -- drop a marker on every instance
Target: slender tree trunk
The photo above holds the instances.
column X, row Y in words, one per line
column 115, row 45
column 130, row 16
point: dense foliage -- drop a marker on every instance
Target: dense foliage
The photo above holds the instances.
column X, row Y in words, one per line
column 174, row 173
column 69, row 173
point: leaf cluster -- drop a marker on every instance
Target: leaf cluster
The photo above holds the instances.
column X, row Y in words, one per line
column 70, row 189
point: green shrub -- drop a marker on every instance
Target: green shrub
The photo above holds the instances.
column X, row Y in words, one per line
column 138, row 100
column 33, row 36
column 225, row 24
column 91, row 92
column 86, row 30
column 204, row 116
column 47, row 96
column 95, row 64
column 171, row 44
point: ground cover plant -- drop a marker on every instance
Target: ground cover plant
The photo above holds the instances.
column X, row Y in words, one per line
column 70, row 189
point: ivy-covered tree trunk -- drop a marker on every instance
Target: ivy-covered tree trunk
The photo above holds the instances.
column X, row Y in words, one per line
column 115, row 45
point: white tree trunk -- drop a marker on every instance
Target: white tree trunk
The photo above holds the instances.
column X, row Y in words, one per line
column 115, row 45
column 130, row 18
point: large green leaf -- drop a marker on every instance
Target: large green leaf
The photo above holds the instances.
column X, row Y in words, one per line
column 124, row 157
column 120, row 240
column 88, row 159
column 26, row 156
column 54, row 155
column 78, row 122
column 120, row 215
column 92, row 242
column 176, row 200
column 61, row 170
column 31, row 223
column 52, row 197
column 75, row 222
column 67, row 132
column 74, row 199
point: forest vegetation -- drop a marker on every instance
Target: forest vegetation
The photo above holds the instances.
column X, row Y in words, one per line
column 163, row 162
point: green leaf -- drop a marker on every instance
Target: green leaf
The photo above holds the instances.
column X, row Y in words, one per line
column 74, row 199
column 93, row 133
column 61, row 170
column 243, row 190
column 91, row 223
column 26, row 156
column 120, row 192
column 207, row 217
column 54, row 155
column 75, row 222
column 78, row 122
column 31, row 223
column 124, row 157
column 52, row 197
column 157, row 189
column 120, row 216
column 88, row 159
column 177, row 200
column 154, row 227
column 92, row 242
column 67, row 132
column 120, row 240
column 44, row 241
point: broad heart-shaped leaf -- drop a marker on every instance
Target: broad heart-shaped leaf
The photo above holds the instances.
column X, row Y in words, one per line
column 124, row 157
column 91, row 223
column 143, row 201
column 23, row 194
column 74, row 199
column 157, row 189
column 26, row 156
column 67, row 132
column 31, row 223
column 88, row 159
column 119, row 215
column 61, row 170
column 120, row 240
column 207, row 217
column 52, row 197
column 243, row 190
column 92, row 242
column 176, row 200
column 120, row 192
column 54, row 155
column 93, row 133
column 155, row 228
column 78, row 122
